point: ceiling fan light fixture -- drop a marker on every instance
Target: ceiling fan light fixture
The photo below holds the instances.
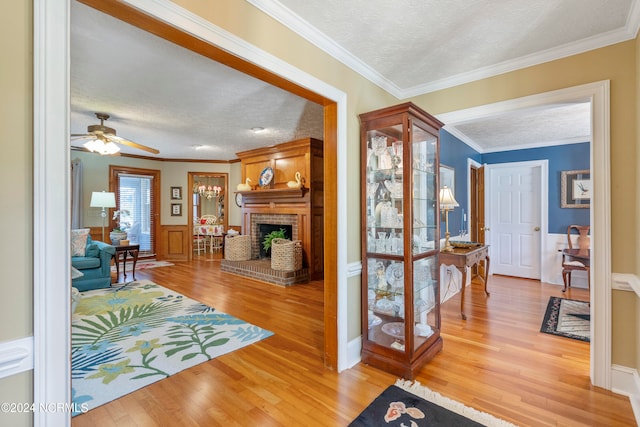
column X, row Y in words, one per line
column 103, row 139
column 99, row 146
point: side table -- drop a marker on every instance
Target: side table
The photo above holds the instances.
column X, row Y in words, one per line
column 461, row 258
column 126, row 250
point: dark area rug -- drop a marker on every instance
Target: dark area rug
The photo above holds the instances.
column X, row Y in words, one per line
column 396, row 406
column 567, row 318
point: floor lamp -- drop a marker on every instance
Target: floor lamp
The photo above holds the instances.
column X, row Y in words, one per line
column 447, row 203
column 102, row 199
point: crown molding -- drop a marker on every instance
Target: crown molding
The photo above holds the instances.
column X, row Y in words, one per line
column 304, row 29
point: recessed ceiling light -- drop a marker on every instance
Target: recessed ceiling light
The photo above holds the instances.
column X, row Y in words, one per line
column 257, row 129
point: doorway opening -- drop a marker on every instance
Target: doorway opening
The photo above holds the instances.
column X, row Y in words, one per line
column 173, row 33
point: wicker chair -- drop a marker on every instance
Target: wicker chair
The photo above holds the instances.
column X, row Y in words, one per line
column 237, row 247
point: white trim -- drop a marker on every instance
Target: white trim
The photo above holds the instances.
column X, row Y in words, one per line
column 625, row 282
column 52, row 375
column 600, row 220
column 598, row 93
column 16, row 356
column 626, row 381
column 51, row 215
column 354, row 269
column 354, row 350
column 544, row 200
column 567, row 141
column 304, row 29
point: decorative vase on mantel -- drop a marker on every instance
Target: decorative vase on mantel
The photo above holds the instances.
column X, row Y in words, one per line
column 116, row 236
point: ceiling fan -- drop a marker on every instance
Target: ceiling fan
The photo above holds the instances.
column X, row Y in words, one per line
column 103, row 139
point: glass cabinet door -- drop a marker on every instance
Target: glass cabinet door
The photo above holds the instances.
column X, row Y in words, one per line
column 425, row 294
column 384, row 187
column 424, row 191
column 386, row 310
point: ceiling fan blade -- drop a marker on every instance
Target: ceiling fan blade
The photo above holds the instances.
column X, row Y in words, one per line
column 133, row 144
column 82, row 135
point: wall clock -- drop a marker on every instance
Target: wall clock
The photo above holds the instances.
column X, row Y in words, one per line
column 239, row 199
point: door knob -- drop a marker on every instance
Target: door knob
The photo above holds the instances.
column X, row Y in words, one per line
column 537, row 229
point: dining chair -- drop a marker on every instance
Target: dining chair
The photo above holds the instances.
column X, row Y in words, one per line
column 576, row 258
column 199, row 241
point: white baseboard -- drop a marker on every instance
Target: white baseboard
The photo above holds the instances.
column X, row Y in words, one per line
column 354, row 347
column 16, row 356
column 626, row 381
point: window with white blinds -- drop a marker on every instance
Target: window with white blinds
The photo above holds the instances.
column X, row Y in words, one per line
column 136, row 196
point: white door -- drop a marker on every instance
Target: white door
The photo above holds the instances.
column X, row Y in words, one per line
column 514, row 216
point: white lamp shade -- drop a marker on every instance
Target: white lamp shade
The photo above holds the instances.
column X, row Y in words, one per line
column 447, row 201
column 102, row 199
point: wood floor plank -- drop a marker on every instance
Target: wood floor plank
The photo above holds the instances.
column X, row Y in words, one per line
column 497, row 361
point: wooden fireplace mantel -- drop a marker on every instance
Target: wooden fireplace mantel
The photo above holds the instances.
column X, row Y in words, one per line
column 276, row 195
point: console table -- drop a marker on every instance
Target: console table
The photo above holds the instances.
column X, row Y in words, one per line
column 126, row 250
column 461, row 258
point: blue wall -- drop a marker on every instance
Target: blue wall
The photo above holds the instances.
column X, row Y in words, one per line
column 454, row 153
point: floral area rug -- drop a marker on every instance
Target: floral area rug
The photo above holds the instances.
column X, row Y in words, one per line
column 408, row 404
column 567, row 318
column 126, row 337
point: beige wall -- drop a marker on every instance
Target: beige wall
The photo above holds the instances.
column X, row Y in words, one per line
column 172, row 174
column 616, row 63
column 637, row 192
column 16, row 207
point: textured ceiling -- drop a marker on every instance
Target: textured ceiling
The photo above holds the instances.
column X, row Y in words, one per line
column 166, row 97
column 163, row 96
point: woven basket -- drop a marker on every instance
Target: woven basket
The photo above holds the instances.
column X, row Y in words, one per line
column 237, row 247
column 286, row 255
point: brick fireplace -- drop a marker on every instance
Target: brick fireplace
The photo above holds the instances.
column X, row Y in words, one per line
column 263, row 223
column 279, row 203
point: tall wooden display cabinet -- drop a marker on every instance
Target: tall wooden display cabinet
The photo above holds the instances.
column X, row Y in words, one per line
column 400, row 238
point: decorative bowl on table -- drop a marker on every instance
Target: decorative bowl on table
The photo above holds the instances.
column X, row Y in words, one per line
column 459, row 244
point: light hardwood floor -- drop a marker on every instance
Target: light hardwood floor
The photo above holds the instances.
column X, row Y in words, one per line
column 497, row 361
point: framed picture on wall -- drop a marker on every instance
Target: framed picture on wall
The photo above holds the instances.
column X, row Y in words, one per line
column 176, row 209
column 448, row 177
column 176, row 193
column 576, row 189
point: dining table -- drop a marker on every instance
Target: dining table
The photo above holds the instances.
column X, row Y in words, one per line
column 214, row 232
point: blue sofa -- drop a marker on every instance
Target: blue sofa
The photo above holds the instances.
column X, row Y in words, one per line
column 95, row 266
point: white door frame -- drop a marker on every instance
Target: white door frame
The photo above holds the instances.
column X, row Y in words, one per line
column 51, row 185
column 544, row 201
column 598, row 93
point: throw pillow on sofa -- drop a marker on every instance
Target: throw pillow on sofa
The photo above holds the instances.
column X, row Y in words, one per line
column 92, row 250
column 79, row 241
